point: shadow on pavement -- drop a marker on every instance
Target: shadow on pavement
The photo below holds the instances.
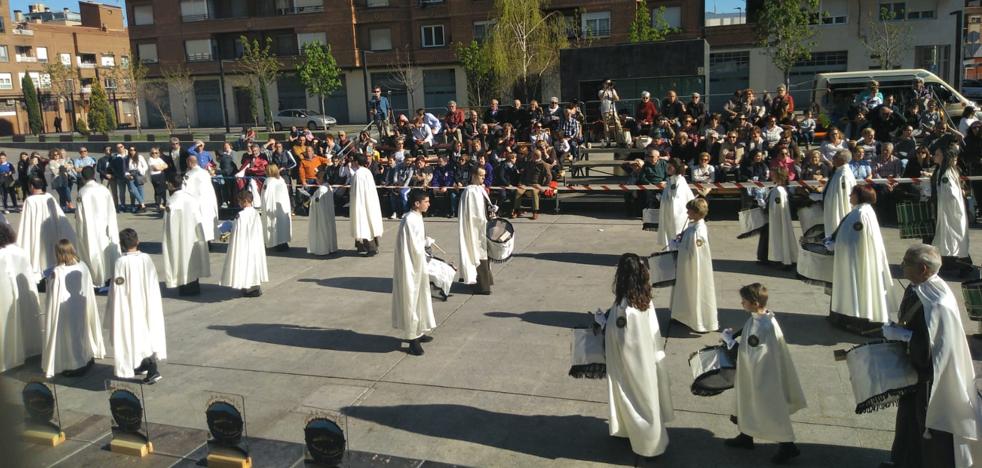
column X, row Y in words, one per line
column 582, row 258
column 549, row 318
column 210, row 293
column 151, row 248
column 799, row 329
column 751, row 267
column 312, row 337
column 93, row 380
column 356, row 283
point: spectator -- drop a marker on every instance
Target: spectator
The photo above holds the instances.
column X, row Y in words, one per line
column 422, row 137
column 531, row 171
column 859, row 165
column 60, row 175
column 454, row 120
column 158, row 179
column 703, row 172
column 771, row 132
column 381, row 112
column 227, row 169
column 403, row 175
column 136, row 173
column 713, row 124
column 696, row 109
column 730, row 156
column 905, row 145
column 8, row 181
column 102, row 165
column 833, row 144
column 785, row 161
column 518, row 117
column 309, row 165
column 871, row 98
column 806, row 129
column 968, row 118
column 672, row 108
column 553, row 113
column 536, row 114
column 868, row 142
column 421, row 175
column 815, row 168
column 571, row 128
column 782, row 106
column 712, row 146
column 886, row 122
column 755, row 168
column 471, row 128
column 442, row 185
column 733, row 107
column 493, row 115
column 205, row 159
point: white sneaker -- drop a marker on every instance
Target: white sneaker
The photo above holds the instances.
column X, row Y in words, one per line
column 393, row 216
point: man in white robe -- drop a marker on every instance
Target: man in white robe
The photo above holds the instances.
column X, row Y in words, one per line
column 412, row 306
column 185, row 249
column 951, row 225
column 693, row 300
column 277, row 212
column 837, row 190
column 768, row 391
column 940, row 423
column 674, row 197
column 245, row 263
column 472, row 225
column 322, row 232
column 98, row 231
column 137, row 314
column 366, row 215
column 42, row 225
column 20, row 307
column 197, row 182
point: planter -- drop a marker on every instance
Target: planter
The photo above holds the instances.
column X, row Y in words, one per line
column 19, row 139
column 150, row 137
column 220, row 137
column 66, row 138
column 98, row 137
column 183, row 136
column 127, row 137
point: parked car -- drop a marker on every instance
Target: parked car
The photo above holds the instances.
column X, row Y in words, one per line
column 302, row 118
column 972, row 89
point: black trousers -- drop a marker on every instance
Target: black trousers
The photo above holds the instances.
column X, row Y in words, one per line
column 484, row 278
column 763, row 243
column 910, row 448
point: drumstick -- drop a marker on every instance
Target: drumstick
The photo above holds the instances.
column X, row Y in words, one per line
column 438, row 248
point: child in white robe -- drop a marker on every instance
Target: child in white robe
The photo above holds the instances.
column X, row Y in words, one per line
column 694, row 294
column 674, row 197
column 322, row 232
column 777, row 241
column 277, row 213
column 73, row 327
column 245, row 264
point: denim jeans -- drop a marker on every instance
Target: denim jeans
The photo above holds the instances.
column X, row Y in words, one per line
column 64, row 194
column 136, row 192
column 121, row 186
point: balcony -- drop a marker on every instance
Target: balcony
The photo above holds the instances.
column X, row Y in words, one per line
column 26, row 59
column 299, row 10
column 86, row 65
column 22, row 32
column 194, row 18
column 200, row 58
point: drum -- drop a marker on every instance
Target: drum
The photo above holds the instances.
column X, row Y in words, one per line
column 713, row 370
column 751, row 222
column 441, row 275
column 811, row 216
column 881, row 373
column 915, row 219
column 589, row 358
column 815, row 264
column 501, row 240
column 972, row 292
column 662, row 268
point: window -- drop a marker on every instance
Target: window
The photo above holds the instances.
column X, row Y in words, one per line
column 893, row 11
column 596, row 24
column 41, row 80
column 42, row 54
column 380, row 39
column 926, row 14
column 3, row 54
column 109, row 84
column 124, row 61
column 194, row 10
column 6, row 81
column 376, row 3
column 481, row 30
column 433, row 36
column 439, row 87
column 305, row 38
column 832, row 13
column 108, row 61
column 673, row 16
column 933, row 58
column 65, row 59
column 142, row 14
column 147, row 52
column 198, row 50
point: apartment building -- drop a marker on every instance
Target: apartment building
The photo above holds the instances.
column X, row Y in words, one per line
column 373, row 34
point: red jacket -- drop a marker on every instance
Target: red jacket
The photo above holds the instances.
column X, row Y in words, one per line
column 454, row 119
column 647, row 112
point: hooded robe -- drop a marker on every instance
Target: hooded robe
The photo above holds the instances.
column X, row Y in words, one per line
column 366, row 216
column 137, row 314
column 694, row 294
column 472, row 226
column 245, row 263
column 73, row 327
column 412, row 307
column 322, row 232
column 276, row 212
column 951, row 228
column 836, row 197
column 185, row 249
column 20, row 309
column 672, row 215
column 42, row 225
column 197, row 183
column 782, row 242
column 862, row 285
column 98, row 231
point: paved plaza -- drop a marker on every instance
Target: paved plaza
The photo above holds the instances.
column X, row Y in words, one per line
column 491, row 390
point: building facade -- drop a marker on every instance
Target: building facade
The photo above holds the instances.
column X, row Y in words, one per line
column 198, row 34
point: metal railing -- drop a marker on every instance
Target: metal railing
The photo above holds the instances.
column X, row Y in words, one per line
column 300, row 10
column 194, row 18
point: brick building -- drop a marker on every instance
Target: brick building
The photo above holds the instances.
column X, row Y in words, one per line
column 98, row 42
column 199, row 33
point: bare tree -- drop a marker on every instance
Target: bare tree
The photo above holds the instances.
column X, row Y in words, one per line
column 62, row 82
column 131, row 81
column 887, row 37
column 156, row 94
column 179, row 77
column 407, row 75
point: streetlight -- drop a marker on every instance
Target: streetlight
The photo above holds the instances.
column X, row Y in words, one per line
column 740, row 17
column 221, row 84
column 364, row 70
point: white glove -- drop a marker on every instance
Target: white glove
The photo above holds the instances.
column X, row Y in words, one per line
column 673, row 244
column 896, row 333
column 494, row 208
column 430, row 242
column 600, row 317
column 829, row 244
column 727, row 336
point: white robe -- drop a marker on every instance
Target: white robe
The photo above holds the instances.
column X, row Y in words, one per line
column 782, row 243
column 245, row 263
column 836, row 197
column 98, row 231
column 276, row 212
column 197, row 183
column 638, row 386
column 322, row 232
column 862, row 285
column 366, row 216
column 137, row 314
column 767, row 388
column 185, row 249
column 42, row 225
column 73, row 327
column 672, row 215
column 472, row 227
column 694, row 294
column 20, row 309
column 951, row 228
column 412, row 307
column 955, row 405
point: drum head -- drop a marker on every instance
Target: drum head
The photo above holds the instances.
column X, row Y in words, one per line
column 814, row 233
column 816, row 248
column 500, row 230
column 714, row 382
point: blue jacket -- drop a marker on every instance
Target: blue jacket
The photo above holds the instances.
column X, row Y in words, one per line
column 443, row 176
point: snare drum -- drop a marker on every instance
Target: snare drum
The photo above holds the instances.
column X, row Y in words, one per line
column 441, row 275
column 713, row 370
column 661, row 265
column 751, row 222
column 501, row 240
column 881, row 373
column 972, row 292
column 816, row 264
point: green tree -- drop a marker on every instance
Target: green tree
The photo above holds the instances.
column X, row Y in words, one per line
column 33, row 105
column 101, row 117
column 784, row 30
column 643, row 29
column 475, row 58
column 318, row 70
column 524, row 44
column 259, row 61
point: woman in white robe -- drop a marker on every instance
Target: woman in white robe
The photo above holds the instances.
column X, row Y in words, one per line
column 277, row 219
column 951, row 228
column 694, row 294
column 20, row 308
column 139, row 339
column 674, row 197
column 97, row 229
column 412, row 306
column 245, row 263
column 837, row 190
column 781, row 242
column 73, row 327
column 637, row 375
column 322, row 232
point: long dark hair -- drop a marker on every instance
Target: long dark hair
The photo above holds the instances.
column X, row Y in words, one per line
column 632, row 282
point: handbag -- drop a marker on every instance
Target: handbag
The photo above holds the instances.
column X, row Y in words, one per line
column 138, row 178
column 589, row 360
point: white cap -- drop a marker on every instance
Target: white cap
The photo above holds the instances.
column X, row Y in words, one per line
column 645, row 94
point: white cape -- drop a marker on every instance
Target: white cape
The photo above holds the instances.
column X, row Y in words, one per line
column 412, row 307
column 782, row 242
column 472, row 227
column 366, row 216
column 836, row 197
column 245, row 262
column 276, row 212
column 862, row 285
column 185, row 249
column 137, row 314
column 672, row 215
column 638, row 385
column 322, row 232
column 98, row 231
column 767, row 388
column 73, row 327
column 197, row 183
column 694, row 294
column 42, row 225
column 20, row 309
column 951, row 228
column 955, row 405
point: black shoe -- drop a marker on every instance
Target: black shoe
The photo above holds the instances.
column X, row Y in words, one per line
column 372, row 252
column 359, row 247
column 415, row 348
column 80, row 371
column 785, row 453
column 144, row 366
column 742, row 441
column 284, row 247
column 425, row 339
column 254, row 291
column 153, row 378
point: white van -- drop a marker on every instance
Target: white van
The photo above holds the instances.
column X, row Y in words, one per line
column 834, row 92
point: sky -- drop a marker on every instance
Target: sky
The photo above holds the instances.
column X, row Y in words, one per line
column 59, row 4
column 724, row 6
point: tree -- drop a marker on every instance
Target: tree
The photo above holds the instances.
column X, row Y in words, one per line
column 318, row 70
column 156, row 94
column 101, row 116
column 32, row 104
column 524, row 44
column 887, row 38
column 643, row 29
column 179, row 77
column 407, row 76
column 784, row 30
column 476, row 60
column 259, row 61
column 62, row 85
column 131, row 80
